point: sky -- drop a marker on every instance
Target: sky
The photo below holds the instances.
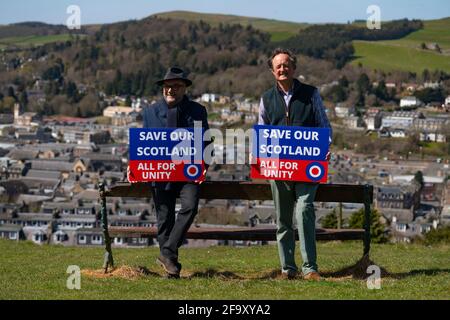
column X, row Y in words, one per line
column 107, row 11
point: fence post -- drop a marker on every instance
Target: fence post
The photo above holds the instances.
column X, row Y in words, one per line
column 367, row 218
column 108, row 258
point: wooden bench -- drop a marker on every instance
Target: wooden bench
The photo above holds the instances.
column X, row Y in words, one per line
column 244, row 191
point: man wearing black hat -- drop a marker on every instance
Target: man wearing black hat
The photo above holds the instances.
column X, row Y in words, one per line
column 176, row 110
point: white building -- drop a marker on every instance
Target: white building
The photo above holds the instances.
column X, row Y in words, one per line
column 410, row 101
column 209, row 97
column 113, row 111
column 373, row 119
column 400, row 119
column 353, row 122
column 343, row 112
column 447, row 101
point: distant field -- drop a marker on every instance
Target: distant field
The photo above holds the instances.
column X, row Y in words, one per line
column 406, row 54
column 388, row 57
column 279, row 30
column 28, row 41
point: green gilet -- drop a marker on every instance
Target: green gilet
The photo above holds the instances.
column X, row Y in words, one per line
column 300, row 110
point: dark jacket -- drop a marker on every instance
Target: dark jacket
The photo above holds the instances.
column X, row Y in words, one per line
column 300, row 109
column 155, row 116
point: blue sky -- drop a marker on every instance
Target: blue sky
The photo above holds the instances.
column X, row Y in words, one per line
column 105, row 11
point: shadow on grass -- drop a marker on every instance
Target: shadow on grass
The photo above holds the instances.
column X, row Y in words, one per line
column 211, row 273
column 357, row 270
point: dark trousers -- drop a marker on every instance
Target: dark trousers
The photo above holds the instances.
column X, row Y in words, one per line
column 172, row 230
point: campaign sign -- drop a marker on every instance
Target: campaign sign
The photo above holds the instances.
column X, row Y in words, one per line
column 290, row 153
column 166, row 154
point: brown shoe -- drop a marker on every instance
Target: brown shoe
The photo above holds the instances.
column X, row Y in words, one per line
column 169, row 266
column 288, row 274
column 314, row 276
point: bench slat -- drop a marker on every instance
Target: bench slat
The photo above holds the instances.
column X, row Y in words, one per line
column 251, row 191
column 244, row 233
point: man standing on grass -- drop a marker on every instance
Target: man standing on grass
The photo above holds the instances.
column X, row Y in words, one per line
column 291, row 103
column 175, row 110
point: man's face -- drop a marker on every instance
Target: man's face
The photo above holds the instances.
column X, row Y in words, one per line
column 282, row 69
column 173, row 91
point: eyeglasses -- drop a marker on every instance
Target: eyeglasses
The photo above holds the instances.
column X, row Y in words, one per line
column 173, row 87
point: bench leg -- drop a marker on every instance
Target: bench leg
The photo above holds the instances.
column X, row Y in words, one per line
column 108, row 257
column 367, row 220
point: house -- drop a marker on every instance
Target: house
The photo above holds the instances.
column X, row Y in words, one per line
column 43, row 174
column 353, row 122
column 247, row 105
column 410, row 101
column 26, row 119
column 391, row 85
column 22, row 154
column 251, row 118
column 113, row 111
column 64, row 167
column 75, row 222
column 431, row 183
column 96, row 161
column 209, row 97
column 373, row 118
column 405, row 230
column 400, row 119
column 89, row 237
column 398, row 133
column 94, row 237
column 432, row 136
column 431, row 124
column 6, row 118
column 11, row 232
column 343, row 112
column 410, row 87
column 260, row 215
column 36, row 227
column 17, row 170
column 447, row 101
column 398, row 197
column 231, row 116
column 432, row 85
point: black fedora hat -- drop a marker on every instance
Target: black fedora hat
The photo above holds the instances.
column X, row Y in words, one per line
column 175, row 73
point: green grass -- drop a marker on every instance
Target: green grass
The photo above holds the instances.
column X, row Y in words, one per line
column 279, row 30
column 28, row 41
column 405, row 54
column 28, row 271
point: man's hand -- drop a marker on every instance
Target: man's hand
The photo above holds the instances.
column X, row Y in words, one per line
column 130, row 176
column 199, row 182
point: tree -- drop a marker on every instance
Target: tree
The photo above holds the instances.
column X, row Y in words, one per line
column 72, row 92
column 363, row 83
column 11, row 93
column 418, row 177
column 23, row 98
column 381, row 91
column 330, row 220
column 438, row 236
column 377, row 232
column 128, row 101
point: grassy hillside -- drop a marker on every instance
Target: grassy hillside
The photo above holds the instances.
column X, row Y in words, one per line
column 28, row 271
column 406, row 54
column 279, row 30
column 29, row 41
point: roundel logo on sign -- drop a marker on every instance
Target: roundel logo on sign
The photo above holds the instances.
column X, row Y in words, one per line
column 315, row 171
column 192, row 171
